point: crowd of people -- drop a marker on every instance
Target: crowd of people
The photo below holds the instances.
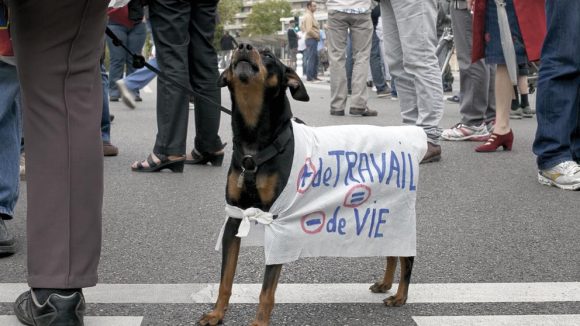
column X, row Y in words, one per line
column 60, row 103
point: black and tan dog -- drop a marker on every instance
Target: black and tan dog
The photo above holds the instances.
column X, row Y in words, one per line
column 260, row 168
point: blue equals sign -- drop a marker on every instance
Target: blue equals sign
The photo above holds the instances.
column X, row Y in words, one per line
column 357, row 197
column 313, row 222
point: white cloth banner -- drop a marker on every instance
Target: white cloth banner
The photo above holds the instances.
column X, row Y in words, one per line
column 351, row 193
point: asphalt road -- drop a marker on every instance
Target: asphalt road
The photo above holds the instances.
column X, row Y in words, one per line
column 482, row 218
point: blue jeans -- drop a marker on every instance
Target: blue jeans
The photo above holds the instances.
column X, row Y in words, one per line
column 121, row 61
column 105, row 117
column 140, row 78
column 10, row 135
column 558, row 100
column 311, row 54
column 376, row 62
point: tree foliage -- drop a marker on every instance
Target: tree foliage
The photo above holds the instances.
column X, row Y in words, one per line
column 265, row 17
column 227, row 9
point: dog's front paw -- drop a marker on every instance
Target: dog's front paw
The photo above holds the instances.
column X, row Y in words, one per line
column 394, row 301
column 213, row 318
column 259, row 323
column 380, row 287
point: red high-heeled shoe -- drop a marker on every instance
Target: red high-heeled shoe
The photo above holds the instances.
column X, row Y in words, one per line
column 495, row 141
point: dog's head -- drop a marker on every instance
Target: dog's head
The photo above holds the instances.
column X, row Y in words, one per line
column 250, row 67
column 257, row 78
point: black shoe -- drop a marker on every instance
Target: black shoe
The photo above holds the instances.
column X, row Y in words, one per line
column 111, row 117
column 138, row 98
column 215, row 159
column 339, row 113
column 58, row 310
column 175, row 165
column 365, row 112
column 114, row 99
column 7, row 243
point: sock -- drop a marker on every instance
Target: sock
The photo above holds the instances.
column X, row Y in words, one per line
column 515, row 104
column 524, row 101
column 43, row 294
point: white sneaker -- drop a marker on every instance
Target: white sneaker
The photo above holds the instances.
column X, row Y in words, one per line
column 565, row 175
column 464, row 132
column 126, row 95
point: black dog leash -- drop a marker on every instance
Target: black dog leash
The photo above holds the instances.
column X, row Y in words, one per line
column 140, row 62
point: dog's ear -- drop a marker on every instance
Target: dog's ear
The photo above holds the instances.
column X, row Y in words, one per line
column 296, row 86
column 224, row 78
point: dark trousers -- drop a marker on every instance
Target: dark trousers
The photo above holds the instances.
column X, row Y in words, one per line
column 58, row 45
column 183, row 34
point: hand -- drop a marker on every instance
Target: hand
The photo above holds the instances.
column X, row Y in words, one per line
column 470, row 5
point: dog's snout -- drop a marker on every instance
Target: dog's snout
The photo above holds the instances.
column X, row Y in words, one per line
column 245, row 47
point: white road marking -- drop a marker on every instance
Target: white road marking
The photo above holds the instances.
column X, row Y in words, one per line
column 512, row 320
column 321, row 293
column 89, row 321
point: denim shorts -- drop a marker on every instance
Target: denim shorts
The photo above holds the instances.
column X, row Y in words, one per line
column 493, row 49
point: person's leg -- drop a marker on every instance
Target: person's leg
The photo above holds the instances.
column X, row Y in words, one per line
column 361, row 28
column 135, row 41
column 524, row 91
column 117, row 59
column 416, row 26
column 306, row 57
column 62, row 103
column 105, row 118
column 386, row 72
column 502, row 135
column 108, row 148
column 490, row 111
column 575, row 141
column 141, row 77
column 304, row 65
column 336, row 32
column 349, row 62
column 405, row 89
column 503, row 99
column 311, row 58
column 10, row 135
column 315, row 61
column 558, row 99
column 473, row 84
column 203, row 73
column 170, row 20
column 474, row 77
column 376, row 64
column 292, row 58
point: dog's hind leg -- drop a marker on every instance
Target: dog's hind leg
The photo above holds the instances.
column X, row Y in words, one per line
column 266, row 305
column 230, row 252
column 400, row 298
column 387, row 282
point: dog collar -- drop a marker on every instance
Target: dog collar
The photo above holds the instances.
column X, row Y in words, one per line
column 251, row 163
